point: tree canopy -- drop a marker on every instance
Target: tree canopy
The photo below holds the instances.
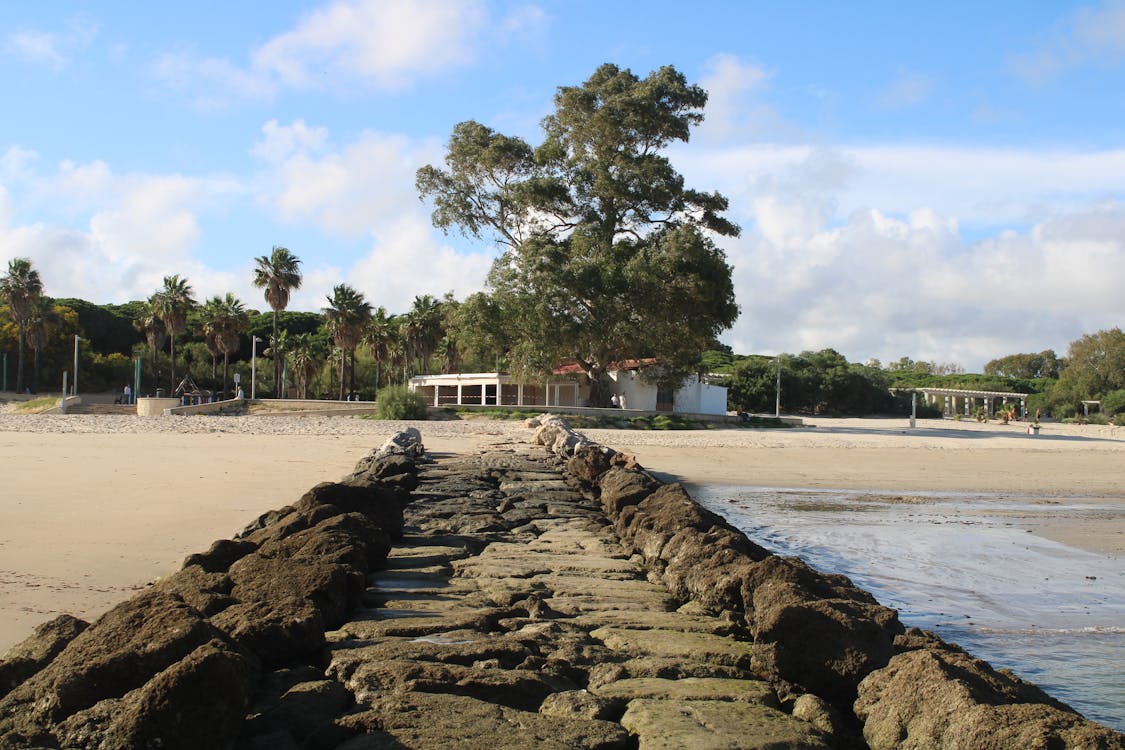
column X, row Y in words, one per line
column 606, row 255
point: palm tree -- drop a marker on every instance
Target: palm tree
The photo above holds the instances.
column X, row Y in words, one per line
column 378, row 337
column 148, row 323
column 21, row 287
column 345, row 316
column 278, row 274
column 278, row 351
column 208, row 324
column 422, row 330
column 172, row 304
column 225, row 319
column 303, row 361
column 38, row 334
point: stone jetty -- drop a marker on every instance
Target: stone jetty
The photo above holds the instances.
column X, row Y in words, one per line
column 552, row 595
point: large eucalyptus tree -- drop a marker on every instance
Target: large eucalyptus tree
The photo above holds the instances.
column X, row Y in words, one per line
column 606, row 254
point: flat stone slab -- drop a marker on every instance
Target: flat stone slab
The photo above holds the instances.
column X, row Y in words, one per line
column 703, row 647
column 716, row 725
column 691, row 689
column 633, row 619
column 426, row 721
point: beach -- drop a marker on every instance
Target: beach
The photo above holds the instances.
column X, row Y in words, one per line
column 96, row 507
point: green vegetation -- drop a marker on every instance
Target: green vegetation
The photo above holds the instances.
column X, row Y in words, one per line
column 399, row 402
column 37, row 405
column 606, row 255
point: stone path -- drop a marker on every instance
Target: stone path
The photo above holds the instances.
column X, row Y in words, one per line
column 509, row 616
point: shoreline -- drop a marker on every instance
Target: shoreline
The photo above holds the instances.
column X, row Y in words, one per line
column 85, row 528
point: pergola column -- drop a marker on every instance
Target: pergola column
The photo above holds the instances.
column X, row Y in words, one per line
column 458, row 394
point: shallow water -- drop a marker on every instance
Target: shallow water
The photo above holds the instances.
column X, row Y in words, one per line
column 960, row 565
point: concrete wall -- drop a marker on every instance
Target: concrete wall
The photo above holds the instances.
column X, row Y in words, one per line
column 154, row 407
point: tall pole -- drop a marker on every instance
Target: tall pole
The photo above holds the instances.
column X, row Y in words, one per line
column 74, row 383
column 777, row 404
column 5, row 372
column 254, row 367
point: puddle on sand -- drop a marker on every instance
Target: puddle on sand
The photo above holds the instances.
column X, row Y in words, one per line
column 957, row 565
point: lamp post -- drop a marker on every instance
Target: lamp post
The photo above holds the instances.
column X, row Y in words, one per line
column 74, row 382
column 254, row 367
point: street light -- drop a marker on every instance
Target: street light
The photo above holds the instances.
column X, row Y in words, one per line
column 254, row 367
column 74, row 383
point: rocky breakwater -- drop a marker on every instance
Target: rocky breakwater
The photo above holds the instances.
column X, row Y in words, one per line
column 833, row 654
column 524, row 596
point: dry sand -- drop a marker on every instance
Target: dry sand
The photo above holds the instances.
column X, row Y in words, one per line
column 93, row 508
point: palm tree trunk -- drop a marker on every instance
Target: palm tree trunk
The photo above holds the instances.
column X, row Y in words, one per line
column 343, row 366
column 226, row 369
column 351, row 371
column 19, row 360
column 172, row 356
column 276, row 360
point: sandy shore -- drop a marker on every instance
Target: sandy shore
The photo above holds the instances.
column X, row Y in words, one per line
column 93, row 507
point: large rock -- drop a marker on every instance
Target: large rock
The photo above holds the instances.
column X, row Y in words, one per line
column 198, row 702
column 120, row 652
column 36, row 651
column 717, row 725
column 423, row 721
column 823, row 646
column 382, row 504
column 943, row 697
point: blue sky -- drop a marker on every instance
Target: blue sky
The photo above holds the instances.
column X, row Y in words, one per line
column 944, row 182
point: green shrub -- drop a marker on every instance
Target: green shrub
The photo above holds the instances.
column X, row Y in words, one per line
column 399, row 402
column 1114, row 402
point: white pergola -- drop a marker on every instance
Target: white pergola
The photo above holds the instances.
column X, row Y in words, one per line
column 958, row 401
column 492, row 389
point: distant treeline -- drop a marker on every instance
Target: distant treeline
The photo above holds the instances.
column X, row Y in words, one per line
column 824, row 382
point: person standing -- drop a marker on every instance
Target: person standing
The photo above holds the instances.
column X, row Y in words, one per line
column 127, row 395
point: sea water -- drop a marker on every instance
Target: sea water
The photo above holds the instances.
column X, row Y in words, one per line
column 963, row 567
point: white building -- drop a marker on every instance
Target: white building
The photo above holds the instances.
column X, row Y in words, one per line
column 564, row 389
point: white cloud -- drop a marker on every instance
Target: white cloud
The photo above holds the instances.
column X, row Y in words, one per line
column 1091, row 36
column 216, row 82
column 407, row 260
column 36, row 47
column 884, row 287
column 365, row 188
column 380, row 44
column 52, row 49
column 907, row 90
column 346, row 190
column 347, row 45
column 735, row 108
column 117, row 235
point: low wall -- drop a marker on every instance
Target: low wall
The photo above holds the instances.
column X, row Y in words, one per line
column 215, row 407
column 154, row 407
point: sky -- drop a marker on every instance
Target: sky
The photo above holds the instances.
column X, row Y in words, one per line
column 941, row 181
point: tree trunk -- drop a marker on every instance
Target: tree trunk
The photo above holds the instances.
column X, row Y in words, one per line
column 19, row 360
column 276, row 360
column 343, row 366
column 172, row 356
column 226, row 369
column 351, row 376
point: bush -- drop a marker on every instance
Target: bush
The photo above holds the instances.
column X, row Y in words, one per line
column 399, row 402
column 1113, row 403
